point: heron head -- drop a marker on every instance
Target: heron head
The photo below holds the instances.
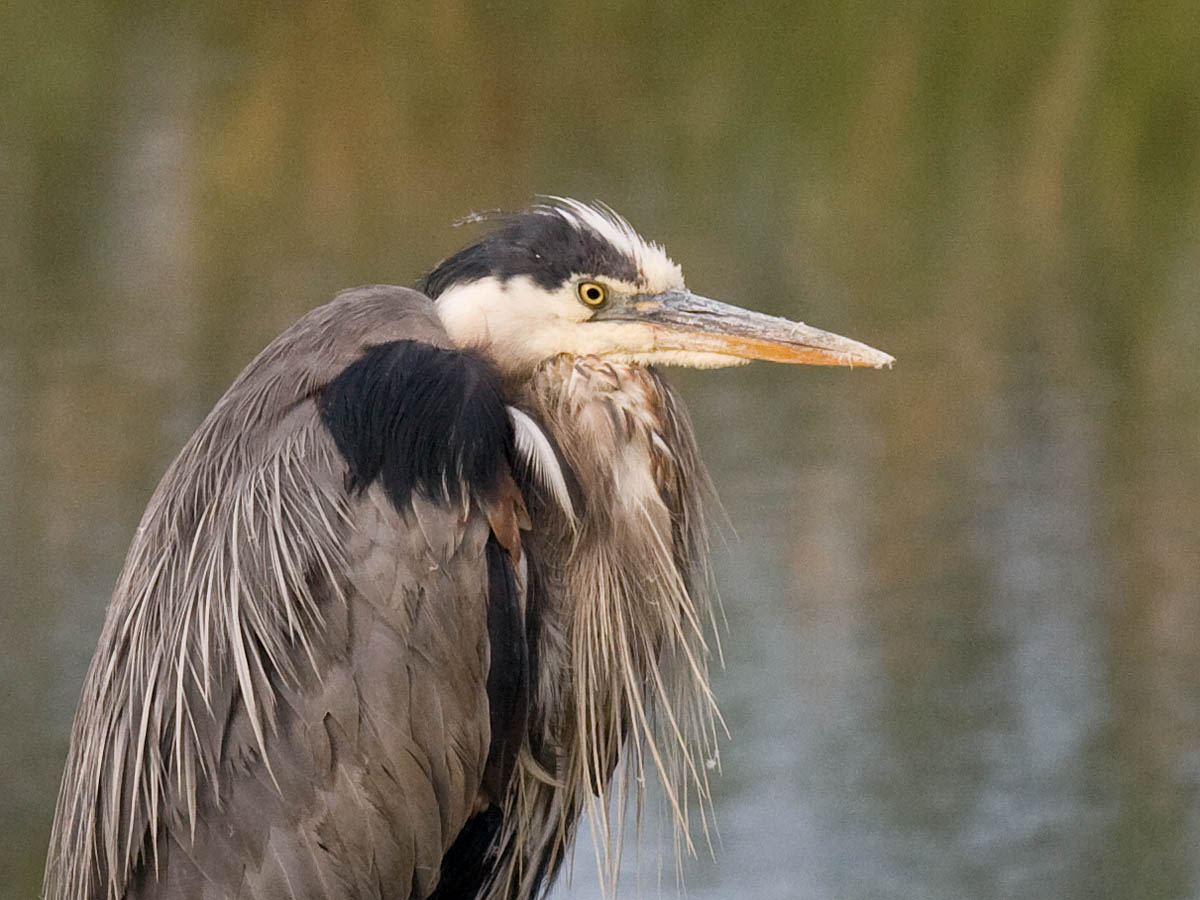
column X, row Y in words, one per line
column 566, row 277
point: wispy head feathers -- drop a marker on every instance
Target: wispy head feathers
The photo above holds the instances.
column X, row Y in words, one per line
column 553, row 241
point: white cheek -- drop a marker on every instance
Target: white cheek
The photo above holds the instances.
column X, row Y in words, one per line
column 516, row 323
column 464, row 312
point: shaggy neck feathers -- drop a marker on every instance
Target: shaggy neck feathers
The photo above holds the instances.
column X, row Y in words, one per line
column 620, row 692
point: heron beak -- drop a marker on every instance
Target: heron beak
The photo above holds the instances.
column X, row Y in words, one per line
column 682, row 320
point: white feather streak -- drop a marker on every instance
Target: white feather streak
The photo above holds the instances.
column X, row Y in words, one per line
column 537, row 450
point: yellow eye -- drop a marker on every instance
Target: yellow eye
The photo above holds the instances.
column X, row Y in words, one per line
column 591, row 293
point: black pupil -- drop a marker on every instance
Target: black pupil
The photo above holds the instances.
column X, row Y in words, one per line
column 593, row 293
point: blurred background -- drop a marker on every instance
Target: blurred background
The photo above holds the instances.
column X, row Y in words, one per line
column 963, row 596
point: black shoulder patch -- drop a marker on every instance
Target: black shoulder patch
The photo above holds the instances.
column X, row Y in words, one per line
column 419, row 418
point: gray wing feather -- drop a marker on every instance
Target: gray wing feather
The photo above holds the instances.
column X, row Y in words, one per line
column 289, row 696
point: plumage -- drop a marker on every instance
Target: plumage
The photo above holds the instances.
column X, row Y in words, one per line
column 415, row 588
column 276, row 584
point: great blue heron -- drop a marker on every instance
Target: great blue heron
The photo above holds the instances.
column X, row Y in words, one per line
column 430, row 567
